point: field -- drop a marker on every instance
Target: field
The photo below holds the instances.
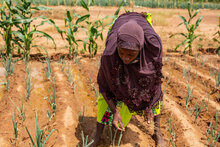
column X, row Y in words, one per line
column 73, row 83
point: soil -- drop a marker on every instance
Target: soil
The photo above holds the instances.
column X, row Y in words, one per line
column 76, row 103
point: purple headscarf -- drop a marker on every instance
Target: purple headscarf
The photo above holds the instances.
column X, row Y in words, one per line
column 138, row 85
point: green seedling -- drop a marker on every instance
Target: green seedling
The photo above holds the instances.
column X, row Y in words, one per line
column 70, row 77
column 189, row 95
column 39, row 134
column 216, row 39
column 190, row 35
column 15, row 126
column 172, row 133
column 51, row 100
column 8, row 64
column 47, row 69
column 28, row 83
column 212, row 133
column 20, row 109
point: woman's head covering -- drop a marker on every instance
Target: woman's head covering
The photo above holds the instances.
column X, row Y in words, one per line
column 138, row 85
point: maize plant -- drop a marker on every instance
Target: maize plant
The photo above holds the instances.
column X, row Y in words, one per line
column 6, row 24
column 22, row 12
column 93, row 31
column 72, row 29
column 190, row 35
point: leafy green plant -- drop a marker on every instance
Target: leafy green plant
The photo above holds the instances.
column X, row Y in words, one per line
column 6, row 24
column 47, row 69
column 22, row 12
column 190, row 35
column 212, row 133
column 93, row 31
column 72, row 28
column 20, row 110
column 39, row 134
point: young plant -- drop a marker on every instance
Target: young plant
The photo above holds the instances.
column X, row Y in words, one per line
column 217, row 78
column 114, row 137
column 8, row 64
column 70, row 77
column 63, row 63
column 15, row 126
column 39, row 134
column 51, row 101
column 85, row 140
column 212, row 133
column 189, row 93
column 72, row 28
column 23, row 20
column 190, row 35
column 172, row 133
column 93, row 31
column 6, row 25
column 28, row 83
column 20, row 110
column 47, row 69
column 197, row 110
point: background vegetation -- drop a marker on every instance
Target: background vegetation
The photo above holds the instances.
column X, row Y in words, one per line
column 207, row 4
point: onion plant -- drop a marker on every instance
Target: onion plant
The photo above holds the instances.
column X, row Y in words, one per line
column 190, row 35
column 212, row 133
column 39, row 134
column 28, row 83
column 20, row 109
column 8, row 64
column 188, row 96
column 22, row 12
column 15, row 126
column 172, row 133
column 217, row 78
column 47, row 69
column 114, row 137
column 51, row 100
column 70, row 77
column 85, row 140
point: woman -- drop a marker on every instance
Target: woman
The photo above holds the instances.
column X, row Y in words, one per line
column 130, row 75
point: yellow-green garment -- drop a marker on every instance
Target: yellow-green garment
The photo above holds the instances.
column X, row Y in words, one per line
column 124, row 111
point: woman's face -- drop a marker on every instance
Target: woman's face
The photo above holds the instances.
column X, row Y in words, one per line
column 127, row 55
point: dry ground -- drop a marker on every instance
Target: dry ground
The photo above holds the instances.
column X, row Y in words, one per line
column 71, row 103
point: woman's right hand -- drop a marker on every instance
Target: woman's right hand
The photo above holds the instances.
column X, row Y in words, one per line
column 117, row 121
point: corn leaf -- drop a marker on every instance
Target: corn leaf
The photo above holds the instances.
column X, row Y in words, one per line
column 82, row 18
column 84, row 5
column 198, row 22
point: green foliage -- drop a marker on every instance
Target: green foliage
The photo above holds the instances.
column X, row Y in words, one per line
column 47, row 68
column 28, row 83
column 212, row 133
column 20, row 110
column 51, row 100
column 21, row 16
column 39, row 134
column 15, row 126
column 172, row 133
column 190, row 35
column 189, row 93
column 8, row 64
column 6, row 24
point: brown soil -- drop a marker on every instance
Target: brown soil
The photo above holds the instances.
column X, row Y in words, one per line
column 76, row 104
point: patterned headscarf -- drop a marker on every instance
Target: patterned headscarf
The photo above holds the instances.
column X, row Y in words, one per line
column 138, row 85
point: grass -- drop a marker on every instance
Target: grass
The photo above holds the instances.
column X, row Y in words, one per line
column 39, row 135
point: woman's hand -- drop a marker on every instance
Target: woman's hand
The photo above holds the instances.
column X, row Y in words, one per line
column 117, row 121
